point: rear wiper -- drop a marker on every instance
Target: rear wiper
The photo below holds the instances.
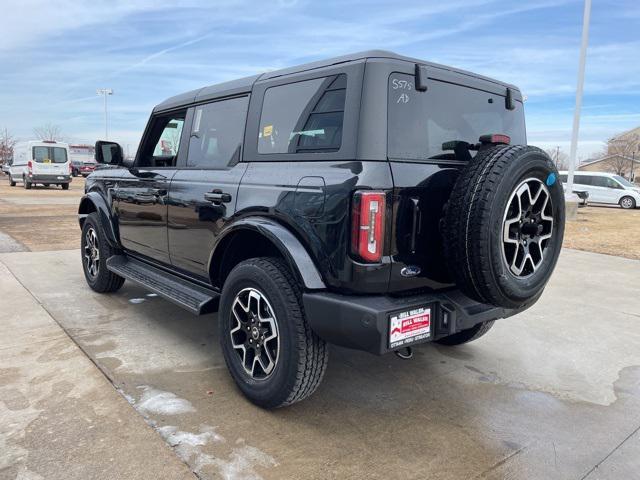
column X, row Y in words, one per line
column 462, row 148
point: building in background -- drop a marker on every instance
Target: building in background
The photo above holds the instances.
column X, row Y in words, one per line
column 82, row 153
column 621, row 156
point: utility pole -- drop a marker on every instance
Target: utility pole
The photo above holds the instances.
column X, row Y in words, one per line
column 105, row 92
column 579, row 90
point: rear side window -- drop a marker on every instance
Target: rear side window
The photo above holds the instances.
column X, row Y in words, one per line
column 583, row 179
column 420, row 122
column 563, row 178
column 217, row 133
column 50, row 154
column 303, row 116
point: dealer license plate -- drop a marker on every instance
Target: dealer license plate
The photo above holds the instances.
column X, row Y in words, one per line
column 409, row 327
column 60, row 178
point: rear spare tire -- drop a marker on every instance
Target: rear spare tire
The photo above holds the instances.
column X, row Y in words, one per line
column 504, row 225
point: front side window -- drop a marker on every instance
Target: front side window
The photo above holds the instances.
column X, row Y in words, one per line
column 624, row 181
column 50, row 154
column 163, row 141
column 611, row 183
column 169, row 141
column 303, row 117
column 217, row 132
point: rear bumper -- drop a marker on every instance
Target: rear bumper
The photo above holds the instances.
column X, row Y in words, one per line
column 362, row 322
column 46, row 178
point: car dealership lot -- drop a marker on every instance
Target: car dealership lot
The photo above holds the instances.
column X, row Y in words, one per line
column 551, row 393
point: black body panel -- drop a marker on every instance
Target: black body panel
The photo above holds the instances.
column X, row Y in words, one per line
column 194, row 224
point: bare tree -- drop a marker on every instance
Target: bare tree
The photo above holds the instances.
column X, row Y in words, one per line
column 560, row 158
column 620, row 165
column 623, row 150
column 48, row 131
column 624, row 145
column 7, row 142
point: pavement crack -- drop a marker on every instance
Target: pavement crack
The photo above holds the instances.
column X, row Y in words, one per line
column 499, row 463
column 595, row 467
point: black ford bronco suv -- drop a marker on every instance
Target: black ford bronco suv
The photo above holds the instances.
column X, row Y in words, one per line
column 372, row 201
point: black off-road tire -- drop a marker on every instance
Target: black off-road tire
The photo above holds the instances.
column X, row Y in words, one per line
column 473, row 225
column 303, row 356
column 105, row 281
column 26, row 183
column 11, row 182
column 628, row 203
column 468, row 335
column 65, row 186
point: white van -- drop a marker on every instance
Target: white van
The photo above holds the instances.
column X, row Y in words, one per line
column 606, row 188
column 45, row 162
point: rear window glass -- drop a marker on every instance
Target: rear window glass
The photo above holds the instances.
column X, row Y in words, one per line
column 50, row 154
column 420, row 122
column 303, row 116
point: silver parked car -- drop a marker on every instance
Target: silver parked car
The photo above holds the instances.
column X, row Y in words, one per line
column 606, row 188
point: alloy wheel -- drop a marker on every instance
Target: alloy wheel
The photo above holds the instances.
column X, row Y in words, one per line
column 626, row 202
column 254, row 333
column 91, row 252
column 527, row 227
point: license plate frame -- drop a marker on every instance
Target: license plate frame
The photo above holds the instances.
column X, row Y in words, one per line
column 410, row 326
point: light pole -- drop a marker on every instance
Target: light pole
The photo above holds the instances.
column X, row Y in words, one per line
column 576, row 113
column 105, row 92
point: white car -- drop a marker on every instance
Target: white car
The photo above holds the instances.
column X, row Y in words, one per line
column 606, row 188
column 45, row 162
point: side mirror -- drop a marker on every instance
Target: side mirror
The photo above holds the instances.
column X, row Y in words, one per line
column 109, row 153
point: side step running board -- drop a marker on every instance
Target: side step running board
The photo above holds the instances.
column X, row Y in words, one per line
column 196, row 299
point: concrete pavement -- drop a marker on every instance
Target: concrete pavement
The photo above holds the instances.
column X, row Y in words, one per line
column 551, row 393
column 60, row 418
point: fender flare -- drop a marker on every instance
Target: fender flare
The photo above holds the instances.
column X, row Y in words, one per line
column 292, row 250
column 94, row 202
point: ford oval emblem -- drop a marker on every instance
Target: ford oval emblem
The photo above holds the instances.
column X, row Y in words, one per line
column 410, row 271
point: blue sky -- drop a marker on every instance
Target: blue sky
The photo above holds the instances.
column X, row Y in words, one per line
column 54, row 54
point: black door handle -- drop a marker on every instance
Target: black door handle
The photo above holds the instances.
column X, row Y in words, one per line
column 217, row 197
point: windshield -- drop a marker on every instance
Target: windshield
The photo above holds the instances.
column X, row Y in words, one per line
column 624, row 181
column 50, row 154
column 420, row 122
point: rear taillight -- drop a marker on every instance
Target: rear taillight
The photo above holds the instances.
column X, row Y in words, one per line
column 30, row 166
column 367, row 225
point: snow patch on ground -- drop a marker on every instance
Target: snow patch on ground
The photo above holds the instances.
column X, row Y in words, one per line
column 163, row 403
column 174, row 437
column 240, row 465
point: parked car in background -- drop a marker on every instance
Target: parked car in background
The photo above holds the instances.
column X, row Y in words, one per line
column 75, row 167
column 45, row 162
column 607, row 188
column 87, row 168
column 5, row 167
column 82, row 159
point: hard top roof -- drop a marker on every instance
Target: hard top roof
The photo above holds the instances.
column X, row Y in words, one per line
column 243, row 85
